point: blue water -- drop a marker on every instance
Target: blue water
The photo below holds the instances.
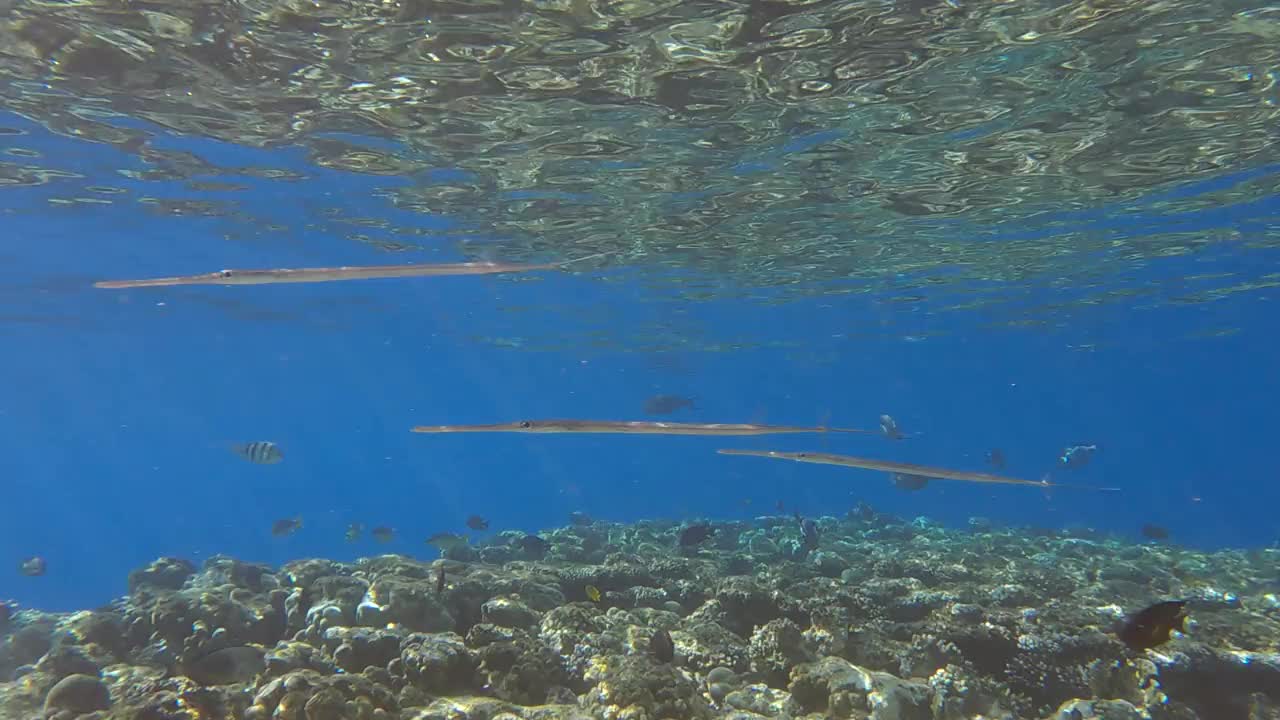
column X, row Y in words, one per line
column 119, row 406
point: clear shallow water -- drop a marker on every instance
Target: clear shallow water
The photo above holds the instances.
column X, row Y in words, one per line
column 121, row 404
column 786, row 258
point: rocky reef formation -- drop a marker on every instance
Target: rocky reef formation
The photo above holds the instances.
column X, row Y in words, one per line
column 884, row 620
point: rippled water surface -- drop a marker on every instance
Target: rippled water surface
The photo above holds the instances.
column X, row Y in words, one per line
column 821, row 146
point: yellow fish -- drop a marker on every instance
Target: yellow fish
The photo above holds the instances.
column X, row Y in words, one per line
column 593, row 593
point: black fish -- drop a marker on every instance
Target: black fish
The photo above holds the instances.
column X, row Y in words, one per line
column 383, row 534
column 286, row 526
column 440, row 579
column 475, row 522
column 662, row 646
column 534, row 545
column 1155, row 532
column 995, row 458
column 808, row 532
column 695, row 534
column 910, row 483
column 1153, row 626
column 237, row 664
column 33, row 566
column 667, row 404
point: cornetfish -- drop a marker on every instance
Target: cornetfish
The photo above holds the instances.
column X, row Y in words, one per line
column 900, row 467
column 332, row 274
column 632, row 428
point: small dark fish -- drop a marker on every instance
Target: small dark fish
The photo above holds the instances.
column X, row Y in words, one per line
column 440, row 579
column 383, row 534
column 534, row 545
column 889, row 427
column 238, row 664
column 261, row 452
column 808, row 532
column 579, row 519
column 781, row 507
column 667, row 404
column 910, row 483
column 1153, row 626
column 353, row 532
column 475, row 522
column 446, row 541
column 1077, row 456
column 286, row 526
column 33, row 566
column 695, row 534
column 662, row 647
column 995, row 458
column 1155, row 532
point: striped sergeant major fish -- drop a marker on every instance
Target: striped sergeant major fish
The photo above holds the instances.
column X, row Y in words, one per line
column 260, row 452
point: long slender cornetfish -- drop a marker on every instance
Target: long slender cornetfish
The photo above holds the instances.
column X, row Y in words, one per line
column 901, row 467
column 332, row 274
column 630, row 428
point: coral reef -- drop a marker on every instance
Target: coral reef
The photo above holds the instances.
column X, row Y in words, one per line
column 884, row 620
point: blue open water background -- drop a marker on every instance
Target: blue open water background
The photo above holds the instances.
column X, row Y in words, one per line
column 119, row 406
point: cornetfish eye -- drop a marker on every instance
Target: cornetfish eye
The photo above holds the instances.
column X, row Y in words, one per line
column 526, row 424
